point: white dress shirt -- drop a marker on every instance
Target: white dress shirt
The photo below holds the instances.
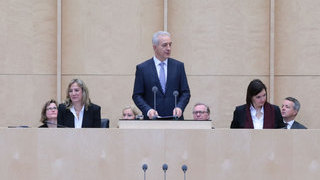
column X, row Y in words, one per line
column 77, row 122
column 257, row 122
column 289, row 124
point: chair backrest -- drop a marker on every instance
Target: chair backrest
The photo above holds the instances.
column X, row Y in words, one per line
column 104, row 123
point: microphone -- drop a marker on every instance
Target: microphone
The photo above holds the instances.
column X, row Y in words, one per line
column 175, row 94
column 165, row 168
column 144, row 168
column 154, row 90
column 184, row 169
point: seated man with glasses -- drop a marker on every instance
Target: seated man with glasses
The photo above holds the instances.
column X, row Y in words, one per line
column 201, row 112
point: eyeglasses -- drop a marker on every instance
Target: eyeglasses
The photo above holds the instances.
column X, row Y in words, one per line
column 199, row 112
column 51, row 108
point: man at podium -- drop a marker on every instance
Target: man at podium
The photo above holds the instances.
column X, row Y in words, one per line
column 161, row 86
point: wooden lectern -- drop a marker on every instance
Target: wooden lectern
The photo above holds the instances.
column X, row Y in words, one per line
column 165, row 124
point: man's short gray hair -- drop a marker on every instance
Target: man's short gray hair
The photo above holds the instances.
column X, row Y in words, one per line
column 155, row 37
column 296, row 103
column 198, row 104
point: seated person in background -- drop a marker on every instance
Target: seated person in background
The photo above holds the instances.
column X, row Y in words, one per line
column 78, row 111
column 129, row 112
column 201, row 112
column 289, row 110
column 49, row 114
column 257, row 113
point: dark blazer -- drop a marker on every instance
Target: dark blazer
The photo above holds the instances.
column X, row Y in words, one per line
column 44, row 126
column 297, row 125
column 91, row 117
column 240, row 117
column 147, row 77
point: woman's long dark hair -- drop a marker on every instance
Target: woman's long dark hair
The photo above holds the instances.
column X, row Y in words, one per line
column 254, row 88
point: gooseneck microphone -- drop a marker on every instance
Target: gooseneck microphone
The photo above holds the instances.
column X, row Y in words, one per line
column 165, row 168
column 175, row 94
column 184, row 169
column 144, row 168
column 154, row 90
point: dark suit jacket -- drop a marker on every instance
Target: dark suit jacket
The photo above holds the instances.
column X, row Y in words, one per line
column 147, row 77
column 43, row 126
column 240, row 117
column 297, row 125
column 91, row 117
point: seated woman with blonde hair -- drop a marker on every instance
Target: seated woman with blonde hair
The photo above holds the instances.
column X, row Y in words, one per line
column 49, row 114
column 78, row 111
column 129, row 112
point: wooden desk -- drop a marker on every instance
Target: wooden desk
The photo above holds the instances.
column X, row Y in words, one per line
column 118, row 154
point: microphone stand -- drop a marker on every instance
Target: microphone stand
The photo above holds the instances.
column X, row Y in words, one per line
column 175, row 94
column 165, row 168
column 184, row 169
column 154, row 89
column 144, row 168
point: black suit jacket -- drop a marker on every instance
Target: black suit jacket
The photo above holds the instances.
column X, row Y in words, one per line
column 297, row 125
column 43, row 126
column 147, row 77
column 91, row 117
column 240, row 117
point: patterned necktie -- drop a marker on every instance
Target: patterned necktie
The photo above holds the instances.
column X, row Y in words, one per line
column 162, row 77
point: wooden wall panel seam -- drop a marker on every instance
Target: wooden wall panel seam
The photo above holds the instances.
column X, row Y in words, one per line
column 59, row 35
column 165, row 15
column 271, row 49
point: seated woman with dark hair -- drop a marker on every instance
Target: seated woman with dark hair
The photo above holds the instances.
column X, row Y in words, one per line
column 49, row 114
column 257, row 113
